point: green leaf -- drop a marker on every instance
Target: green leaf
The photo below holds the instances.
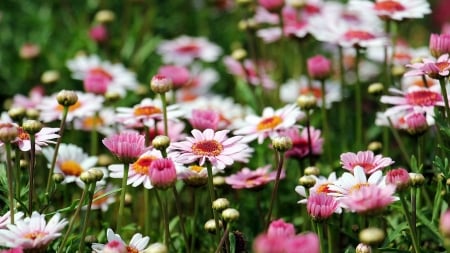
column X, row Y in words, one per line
column 232, row 239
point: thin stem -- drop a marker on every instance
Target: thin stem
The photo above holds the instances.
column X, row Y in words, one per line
column 444, row 94
column 399, row 142
column 147, row 135
column 408, row 219
column 180, row 215
column 414, row 210
column 329, row 238
column 91, row 189
column 326, row 131
column 147, row 211
column 223, row 239
column 55, row 154
column 342, row 105
column 164, row 105
column 194, row 218
column 94, row 135
column 31, row 173
column 212, row 195
column 320, row 235
column 72, row 221
column 126, row 167
column 164, row 213
column 358, row 103
column 10, row 180
column 280, row 156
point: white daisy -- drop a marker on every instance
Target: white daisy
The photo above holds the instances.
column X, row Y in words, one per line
column 393, row 9
column 349, row 182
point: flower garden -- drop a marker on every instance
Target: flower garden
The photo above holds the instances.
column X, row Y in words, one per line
column 227, row 126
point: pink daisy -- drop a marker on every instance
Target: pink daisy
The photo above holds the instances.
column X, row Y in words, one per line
column 300, row 146
column 321, row 186
column 349, row 182
column 34, row 98
column 180, row 76
column 42, row 138
column 203, row 119
column 436, row 69
column 163, row 173
column 394, row 9
column 366, row 160
column 139, row 172
column 270, row 122
column 249, row 179
column 138, row 243
column 32, row 233
column 398, row 177
column 281, row 228
column 126, row 146
column 215, row 147
column 409, row 119
column 86, row 106
column 369, row 198
column 100, row 76
column 185, row 49
column 321, row 206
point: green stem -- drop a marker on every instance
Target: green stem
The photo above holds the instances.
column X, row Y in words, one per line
column 164, row 213
column 194, row 218
column 18, row 172
column 444, row 94
column 94, row 135
column 147, row 208
column 164, row 105
column 31, row 173
column 308, row 134
column 326, row 131
column 280, row 156
column 180, row 215
column 55, row 154
column 414, row 211
column 91, row 189
column 212, row 195
column 410, row 224
column 358, row 103
column 342, row 104
column 223, row 239
column 10, row 180
column 329, row 238
column 126, row 167
column 72, row 221
column 320, row 235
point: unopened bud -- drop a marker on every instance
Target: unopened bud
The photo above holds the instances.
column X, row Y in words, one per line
column 239, row 54
column 398, row 70
column 307, row 102
column 32, row 113
column 218, row 181
column 50, row 76
column 97, row 172
column 210, row 226
column 375, row 146
column 58, row 178
column 312, row 170
column 307, row 181
column 160, row 84
column 282, row 143
column 156, row 248
column 17, row 113
column 375, row 89
column 220, row 204
column 67, row 97
column 105, row 16
column 32, row 126
column 416, row 179
column 105, row 160
column 372, row 236
column 161, row 142
column 230, row 214
column 112, row 96
column 8, row 132
column 363, row 248
column 87, row 177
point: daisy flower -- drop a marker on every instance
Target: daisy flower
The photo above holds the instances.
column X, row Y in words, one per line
column 408, row 119
column 139, row 172
column 369, row 198
column 6, row 218
column 436, row 69
column 185, row 49
column 300, row 145
column 137, row 244
column 32, row 233
column 126, row 146
column 42, row 138
column 146, row 113
column 247, row 71
column 100, row 76
column 194, row 175
column 211, row 146
column 321, row 206
column 34, row 98
column 349, row 182
column 249, row 179
column 393, row 9
column 103, row 122
column 71, row 161
column 366, row 160
column 293, row 88
column 270, row 122
column 86, row 106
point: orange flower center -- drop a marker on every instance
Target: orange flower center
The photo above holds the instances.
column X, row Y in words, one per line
column 356, row 187
column 91, row 121
column 316, row 92
column 207, row 148
column 366, row 166
column 196, row 168
column 142, row 165
column 269, row 123
column 442, row 65
column 420, row 83
column 71, row 108
column 71, row 168
column 22, row 134
column 389, row 6
column 323, row 188
column 132, row 249
column 35, row 235
column 423, row 98
column 147, row 110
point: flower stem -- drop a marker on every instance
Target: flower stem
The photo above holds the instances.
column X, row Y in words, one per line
column 275, row 188
column 410, row 224
column 10, row 180
column 399, row 142
column 91, row 189
column 326, row 131
column 358, row 103
column 223, row 239
column 164, row 213
column 180, row 215
column 320, row 235
column 164, row 107
column 126, row 167
column 55, row 154
column 212, row 195
column 342, row 105
column 329, row 238
column 94, row 135
column 444, row 94
column 31, row 173
column 147, row 211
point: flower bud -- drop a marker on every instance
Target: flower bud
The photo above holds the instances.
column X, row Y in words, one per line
column 29, row 51
column 363, row 248
column 161, row 142
column 160, row 84
column 375, row 146
column 105, row 160
column 398, row 71
column 58, row 178
column 210, row 226
column 67, row 97
column 398, row 177
column 32, row 113
column 50, row 76
column 17, row 113
column 230, row 214
column 32, row 126
column 97, row 172
column 416, row 179
column 307, row 102
column 141, row 90
column 307, row 181
column 156, row 248
column 319, row 67
column 128, row 199
column 298, row 4
column 444, row 224
column 312, row 170
column 218, row 181
column 375, row 89
column 112, row 96
column 220, row 204
column 239, row 54
column 244, row 2
column 372, row 236
column 105, row 16
column 87, row 177
column 8, row 132
column 23, row 163
column 282, row 143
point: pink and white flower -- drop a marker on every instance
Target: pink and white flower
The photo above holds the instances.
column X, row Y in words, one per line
column 126, row 146
column 32, row 232
column 369, row 198
column 100, row 76
column 214, row 147
column 300, row 145
column 163, row 173
column 249, row 179
column 366, row 160
column 34, row 98
column 293, row 88
column 179, row 75
column 138, row 243
column 42, row 138
column 321, row 206
column 247, row 71
column 270, row 122
column 349, row 182
column 6, row 218
column 393, row 9
column 436, row 69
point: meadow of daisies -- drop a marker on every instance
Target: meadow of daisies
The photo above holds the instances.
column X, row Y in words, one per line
column 266, row 126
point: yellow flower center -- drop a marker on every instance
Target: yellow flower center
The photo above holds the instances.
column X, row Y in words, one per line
column 90, row 122
column 196, row 168
column 71, row 108
column 142, row 165
column 146, row 110
column 22, row 134
column 356, row 187
column 207, row 148
column 316, row 92
column 71, row 168
column 35, row 235
column 132, row 249
column 269, row 123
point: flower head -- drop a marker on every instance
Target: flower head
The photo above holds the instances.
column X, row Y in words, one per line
column 179, row 75
column 439, row 44
column 281, row 228
column 321, row 206
column 249, row 179
column 138, row 243
column 203, row 119
column 300, row 145
column 319, row 67
column 436, row 69
column 163, row 173
column 394, row 9
column 365, row 159
column 369, row 199
column 126, row 146
column 398, row 177
column 42, row 138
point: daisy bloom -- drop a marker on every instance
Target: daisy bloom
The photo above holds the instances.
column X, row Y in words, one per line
column 42, row 138
column 163, row 173
column 398, row 177
column 250, row 179
column 146, row 113
column 203, row 119
column 137, row 244
column 6, row 218
column 100, row 76
column 300, row 145
column 180, row 76
column 321, row 206
column 439, row 44
column 185, row 49
column 247, row 71
column 71, row 161
column 349, row 182
column 139, row 172
column 103, row 122
column 270, row 122
column 281, row 228
column 211, row 146
column 394, row 9
column 86, row 106
column 366, row 160
column 126, row 146
column 369, row 199
column 413, row 120
column 194, row 175
column 436, row 69
column 34, row 98
column 32, row 233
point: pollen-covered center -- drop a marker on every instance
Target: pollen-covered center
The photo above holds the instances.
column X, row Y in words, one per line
column 358, row 186
column 71, row 108
column 71, row 167
column 358, row 35
column 146, row 110
column 92, row 121
column 195, row 168
column 423, row 98
column 142, row 165
column 269, row 123
column 207, row 148
column 22, row 134
column 316, row 92
column 323, row 188
column 389, row 6
column 35, row 235
column 131, row 249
